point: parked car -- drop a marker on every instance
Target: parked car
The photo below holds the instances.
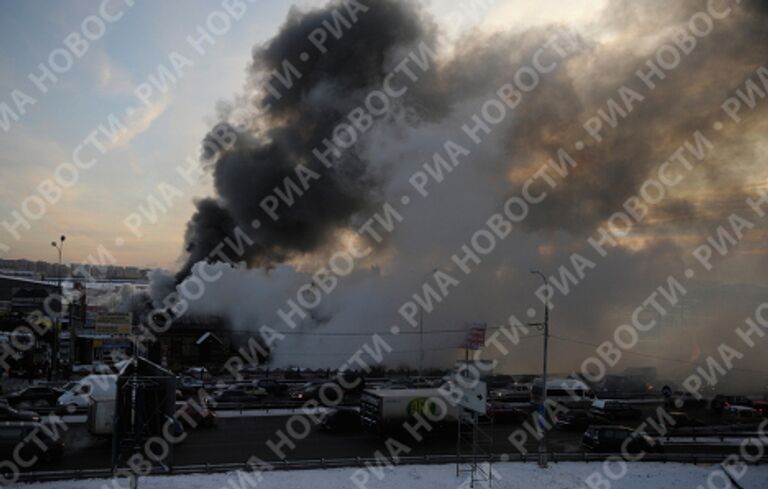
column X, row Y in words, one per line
column 519, row 393
column 614, row 411
column 341, row 420
column 420, row 383
column 186, row 383
column 95, row 368
column 249, row 388
column 198, row 373
column 499, row 381
column 721, row 402
column 237, row 396
column 34, row 397
column 573, row 420
column 194, row 416
column 684, row 400
column 683, row 420
column 505, row 413
column 7, row 413
column 390, row 386
column 272, row 387
column 613, row 439
column 314, row 390
column 761, row 407
column 742, row 414
column 32, row 440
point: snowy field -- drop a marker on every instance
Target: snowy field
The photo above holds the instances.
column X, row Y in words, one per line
column 508, row 475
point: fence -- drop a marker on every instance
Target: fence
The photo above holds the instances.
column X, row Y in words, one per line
column 362, row 462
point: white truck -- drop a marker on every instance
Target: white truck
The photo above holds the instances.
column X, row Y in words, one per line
column 380, row 409
column 81, row 394
column 101, row 412
column 97, row 392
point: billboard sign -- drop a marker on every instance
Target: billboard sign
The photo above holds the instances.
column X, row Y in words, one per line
column 113, row 323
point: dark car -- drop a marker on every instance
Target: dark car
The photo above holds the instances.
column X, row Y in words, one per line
column 7, row 413
column 614, row 411
column 721, row 402
column 573, row 420
column 34, row 440
column 684, row 420
column 684, row 400
column 237, row 396
column 499, row 381
column 761, row 407
column 341, row 421
column 505, row 413
column 272, row 386
column 615, row 439
column 34, row 397
column 326, row 391
column 351, row 382
column 192, row 416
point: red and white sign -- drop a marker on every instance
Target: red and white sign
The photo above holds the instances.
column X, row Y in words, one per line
column 475, row 339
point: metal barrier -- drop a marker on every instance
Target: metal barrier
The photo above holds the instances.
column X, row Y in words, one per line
column 362, row 462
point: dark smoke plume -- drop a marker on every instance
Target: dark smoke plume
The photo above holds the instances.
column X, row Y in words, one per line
column 293, row 123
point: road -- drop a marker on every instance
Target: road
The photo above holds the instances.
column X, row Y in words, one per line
column 235, row 440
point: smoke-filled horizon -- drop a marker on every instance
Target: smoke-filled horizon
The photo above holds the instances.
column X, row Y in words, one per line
column 594, row 78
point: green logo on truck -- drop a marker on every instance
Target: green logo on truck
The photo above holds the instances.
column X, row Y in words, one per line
column 424, row 406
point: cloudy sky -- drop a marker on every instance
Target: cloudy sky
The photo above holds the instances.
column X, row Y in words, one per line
column 161, row 134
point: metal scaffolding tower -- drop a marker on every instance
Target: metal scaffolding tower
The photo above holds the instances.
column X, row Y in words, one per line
column 474, row 447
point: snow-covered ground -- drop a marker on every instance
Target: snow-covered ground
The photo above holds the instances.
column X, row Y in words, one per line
column 508, row 476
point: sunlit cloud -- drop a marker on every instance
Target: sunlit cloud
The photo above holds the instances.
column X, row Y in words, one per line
column 138, row 122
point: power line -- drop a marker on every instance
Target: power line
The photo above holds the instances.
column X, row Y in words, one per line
column 346, row 354
column 355, row 333
column 394, row 351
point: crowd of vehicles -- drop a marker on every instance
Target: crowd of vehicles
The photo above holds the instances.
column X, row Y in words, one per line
column 377, row 405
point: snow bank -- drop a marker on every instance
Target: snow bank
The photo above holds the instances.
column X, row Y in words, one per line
column 570, row 475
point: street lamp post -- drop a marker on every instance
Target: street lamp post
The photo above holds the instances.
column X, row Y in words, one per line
column 421, row 333
column 55, row 350
column 421, row 342
column 543, row 406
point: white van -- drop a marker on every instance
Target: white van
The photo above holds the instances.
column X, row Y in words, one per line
column 95, row 386
column 572, row 393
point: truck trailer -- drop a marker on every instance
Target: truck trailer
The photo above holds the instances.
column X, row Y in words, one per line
column 384, row 408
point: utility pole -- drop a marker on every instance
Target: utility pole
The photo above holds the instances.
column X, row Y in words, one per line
column 543, row 406
column 57, row 325
column 421, row 342
column 421, row 333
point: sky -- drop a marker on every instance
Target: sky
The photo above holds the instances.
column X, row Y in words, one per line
column 141, row 168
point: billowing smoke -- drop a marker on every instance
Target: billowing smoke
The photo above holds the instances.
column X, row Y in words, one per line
column 275, row 149
column 594, row 79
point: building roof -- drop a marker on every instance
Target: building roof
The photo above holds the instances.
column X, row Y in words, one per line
column 28, row 281
column 10, row 284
